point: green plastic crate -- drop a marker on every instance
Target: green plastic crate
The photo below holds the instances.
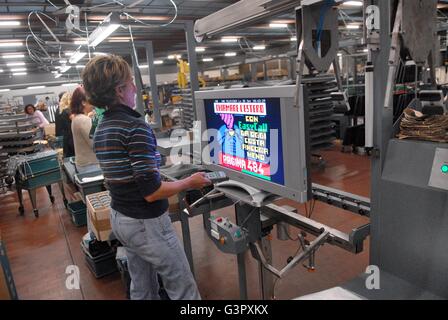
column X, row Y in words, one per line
column 92, row 187
column 78, row 211
column 41, row 179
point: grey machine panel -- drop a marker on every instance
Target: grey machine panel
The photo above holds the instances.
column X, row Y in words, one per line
column 439, row 172
column 412, row 233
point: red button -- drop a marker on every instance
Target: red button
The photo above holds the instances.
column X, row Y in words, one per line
column 219, row 220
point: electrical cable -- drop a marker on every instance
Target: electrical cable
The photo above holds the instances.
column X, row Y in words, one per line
column 57, row 8
column 152, row 25
column 175, row 15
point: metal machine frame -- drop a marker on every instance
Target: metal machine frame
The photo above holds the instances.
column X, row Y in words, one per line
column 256, row 217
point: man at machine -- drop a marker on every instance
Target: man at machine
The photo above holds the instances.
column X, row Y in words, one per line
column 126, row 150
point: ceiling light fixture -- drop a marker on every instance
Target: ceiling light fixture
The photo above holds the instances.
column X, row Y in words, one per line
column 278, row 25
column 69, row 84
column 259, row 47
column 230, row 54
column 229, row 39
column 353, row 3
column 174, row 56
column 65, row 68
column 13, row 56
column 11, row 44
column 207, row 59
column 200, row 49
column 4, row 90
column 36, row 87
column 19, row 74
column 158, row 61
column 18, row 69
column 105, row 29
column 9, row 23
column 15, row 64
column 78, row 55
column 353, row 26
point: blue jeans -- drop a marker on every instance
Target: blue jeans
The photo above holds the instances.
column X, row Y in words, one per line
column 152, row 248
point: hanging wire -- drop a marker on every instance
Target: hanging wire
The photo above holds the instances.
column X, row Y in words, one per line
column 152, row 25
column 53, row 4
column 175, row 15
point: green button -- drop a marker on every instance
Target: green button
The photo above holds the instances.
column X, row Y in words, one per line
column 445, row 168
column 238, row 234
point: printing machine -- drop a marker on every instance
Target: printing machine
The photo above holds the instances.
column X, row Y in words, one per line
column 408, row 207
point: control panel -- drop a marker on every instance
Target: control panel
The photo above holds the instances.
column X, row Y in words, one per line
column 217, row 176
column 439, row 171
column 228, row 237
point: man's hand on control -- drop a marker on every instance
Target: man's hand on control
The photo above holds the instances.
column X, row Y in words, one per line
column 198, row 181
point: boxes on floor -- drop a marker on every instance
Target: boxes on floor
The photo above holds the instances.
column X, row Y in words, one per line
column 50, row 129
column 98, row 213
column 174, row 205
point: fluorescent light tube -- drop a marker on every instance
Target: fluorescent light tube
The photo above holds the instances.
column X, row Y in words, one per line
column 77, row 56
column 15, row 64
column 36, row 87
column 9, row 23
column 13, row 56
column 101, row 33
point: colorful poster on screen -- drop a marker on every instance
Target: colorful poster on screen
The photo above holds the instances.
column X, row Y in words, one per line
column 249, row 136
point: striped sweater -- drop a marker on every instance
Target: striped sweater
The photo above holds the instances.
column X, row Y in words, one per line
column 125, row 147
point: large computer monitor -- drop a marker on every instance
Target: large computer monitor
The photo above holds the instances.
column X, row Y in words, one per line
column 258, row 137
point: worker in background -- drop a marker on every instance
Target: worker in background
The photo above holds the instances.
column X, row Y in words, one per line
column 85, row 159
column 126, row 149
column 38, row 118
column 64, row 124
column 42, row 106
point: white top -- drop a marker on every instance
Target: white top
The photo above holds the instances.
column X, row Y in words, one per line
column 39, row 119
column 84, row 155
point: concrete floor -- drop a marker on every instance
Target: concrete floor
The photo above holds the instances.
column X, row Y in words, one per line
column 40, row 249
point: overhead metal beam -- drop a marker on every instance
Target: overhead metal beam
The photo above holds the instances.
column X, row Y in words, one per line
column 242, row 13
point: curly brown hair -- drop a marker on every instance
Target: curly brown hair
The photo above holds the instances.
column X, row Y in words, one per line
column 101, row 76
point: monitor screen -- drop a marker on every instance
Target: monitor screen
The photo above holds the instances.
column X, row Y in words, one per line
column 257, row 136
column 248, row 136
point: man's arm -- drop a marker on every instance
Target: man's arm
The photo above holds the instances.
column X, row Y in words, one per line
column 142, row 150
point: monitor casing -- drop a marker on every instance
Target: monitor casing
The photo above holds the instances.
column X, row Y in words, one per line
column 296, row 147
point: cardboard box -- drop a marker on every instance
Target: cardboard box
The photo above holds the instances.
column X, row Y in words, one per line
column 50, row 129
column 98, row 213
column 174, row 205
